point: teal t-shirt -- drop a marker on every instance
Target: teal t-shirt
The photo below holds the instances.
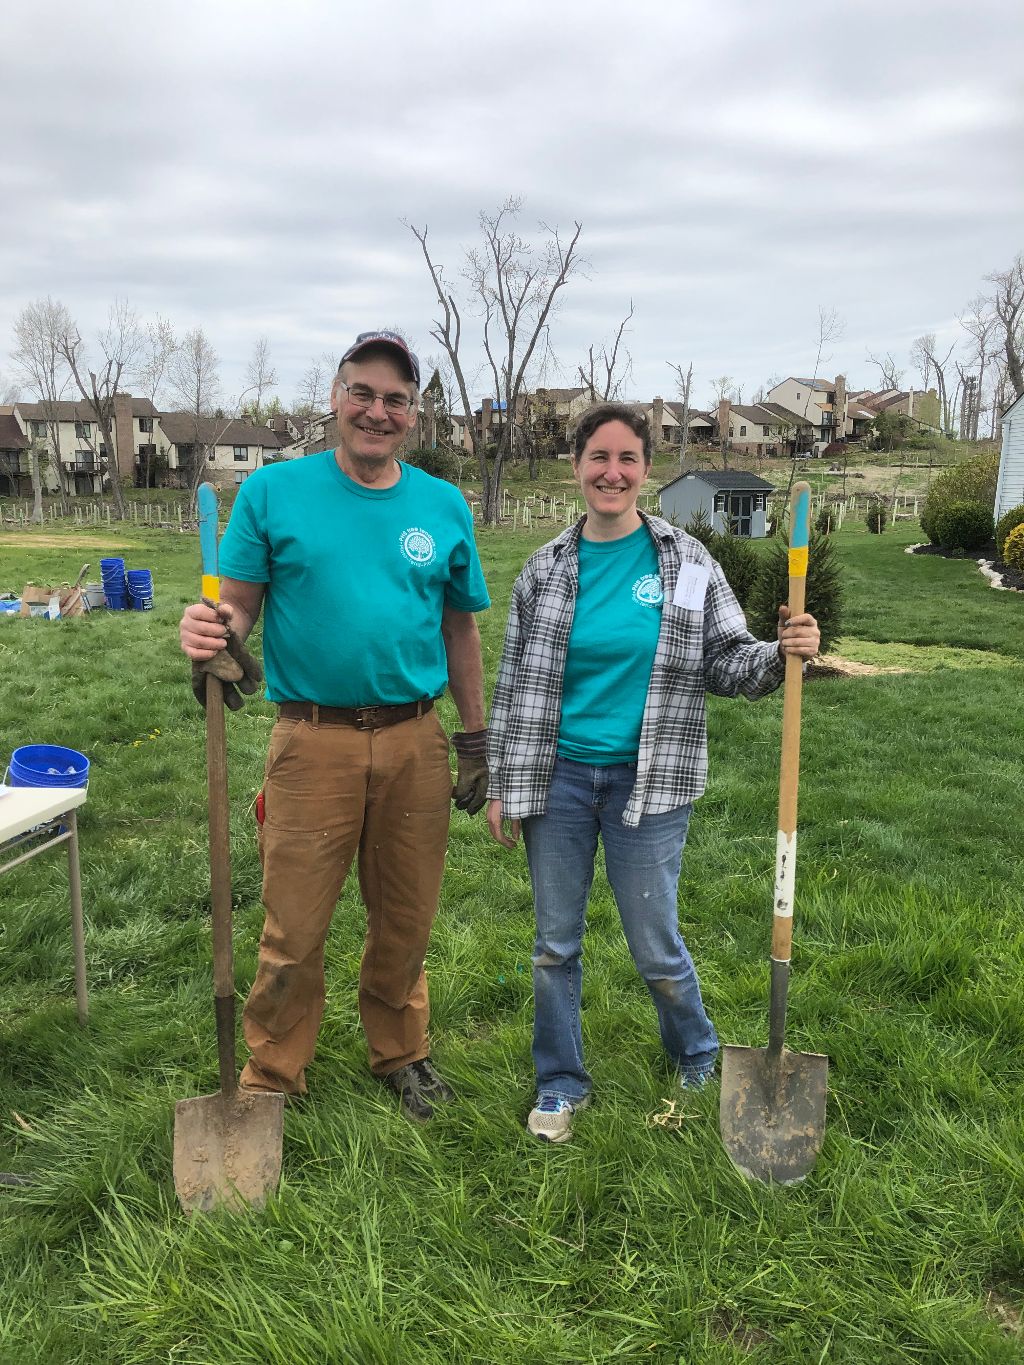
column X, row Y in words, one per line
column 357, row 579
column 611, row 650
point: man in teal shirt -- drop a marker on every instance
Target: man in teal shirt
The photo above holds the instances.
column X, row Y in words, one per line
column 368, row 578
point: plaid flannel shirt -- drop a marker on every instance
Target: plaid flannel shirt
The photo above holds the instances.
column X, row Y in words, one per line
column 697, row 652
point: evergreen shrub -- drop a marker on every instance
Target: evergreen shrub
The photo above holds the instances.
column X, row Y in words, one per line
column 877, row 516
column 972, row 481
column 443, row 464
column 699, row 527
column 1006, row 523
column 824, row 589
column 1013, row 550
column 739, row 561
column 963, row 525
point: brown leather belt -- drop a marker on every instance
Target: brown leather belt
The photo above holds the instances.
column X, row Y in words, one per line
column 359, row 717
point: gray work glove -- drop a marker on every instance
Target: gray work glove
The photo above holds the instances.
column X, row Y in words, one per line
column 237, row 669
column 470, row 790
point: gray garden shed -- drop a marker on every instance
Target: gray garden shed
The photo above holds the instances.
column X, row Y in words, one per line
column 726, row 496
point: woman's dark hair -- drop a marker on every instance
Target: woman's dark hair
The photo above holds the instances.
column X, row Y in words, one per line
column 601, row 413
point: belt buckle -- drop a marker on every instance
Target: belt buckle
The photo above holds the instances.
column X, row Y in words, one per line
column 366, row 716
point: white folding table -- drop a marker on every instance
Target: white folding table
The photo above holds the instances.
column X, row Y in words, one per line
column 35, row 819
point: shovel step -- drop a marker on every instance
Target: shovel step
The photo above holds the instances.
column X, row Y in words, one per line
column 227, row 1150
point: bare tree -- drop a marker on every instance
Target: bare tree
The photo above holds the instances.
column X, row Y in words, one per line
column 260, row 378
column 830, row 328
column 1009, row 310
column 723, row 387
column 684, row 385
column 119, row 346
column 926, row 355
column 980, row 323
column 158, row 348
column 38, row 359
column 516, row 283
column 889, row 372
column 609, row 384
column 195, row 382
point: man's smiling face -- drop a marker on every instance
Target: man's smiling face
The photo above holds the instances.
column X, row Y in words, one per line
column 371, row 434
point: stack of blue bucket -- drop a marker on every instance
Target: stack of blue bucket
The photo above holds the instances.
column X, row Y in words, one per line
column 140, row 589
column 48, row 765
column 115, row 584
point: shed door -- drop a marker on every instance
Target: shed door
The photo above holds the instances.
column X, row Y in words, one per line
column 739, row 509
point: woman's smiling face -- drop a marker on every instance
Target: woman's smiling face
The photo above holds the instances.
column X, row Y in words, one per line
column 611, row 471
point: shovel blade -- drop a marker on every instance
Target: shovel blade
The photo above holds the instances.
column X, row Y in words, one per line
column 227, row 1150
column 772, row 1112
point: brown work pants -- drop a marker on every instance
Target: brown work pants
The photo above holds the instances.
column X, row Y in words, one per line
column 330, row 791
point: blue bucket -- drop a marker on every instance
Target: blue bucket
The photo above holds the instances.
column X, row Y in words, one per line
column 48, row 765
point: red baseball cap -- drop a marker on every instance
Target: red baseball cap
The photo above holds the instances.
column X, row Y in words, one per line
column 392, row 339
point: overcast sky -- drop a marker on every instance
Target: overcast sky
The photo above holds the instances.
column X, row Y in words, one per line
column 245, row 167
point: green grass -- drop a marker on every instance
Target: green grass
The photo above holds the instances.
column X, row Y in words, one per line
column 466, row 1242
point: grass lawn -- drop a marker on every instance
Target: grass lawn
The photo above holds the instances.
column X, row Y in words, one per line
column 466, row 1241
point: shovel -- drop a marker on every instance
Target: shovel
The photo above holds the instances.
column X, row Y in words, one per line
column 772, row 1112
column 227, row 1146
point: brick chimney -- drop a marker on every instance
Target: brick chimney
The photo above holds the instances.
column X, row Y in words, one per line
column 485, row 418
column 124, row 436
column 724, row 408
column 839, row 408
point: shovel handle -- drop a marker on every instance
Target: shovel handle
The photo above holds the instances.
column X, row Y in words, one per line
column 789, row 773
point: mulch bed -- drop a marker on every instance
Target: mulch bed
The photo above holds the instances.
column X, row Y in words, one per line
column 1011, row 577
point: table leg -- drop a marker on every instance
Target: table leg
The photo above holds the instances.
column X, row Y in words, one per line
column 77, row 923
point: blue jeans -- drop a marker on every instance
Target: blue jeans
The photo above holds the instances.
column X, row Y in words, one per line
column 643, row 869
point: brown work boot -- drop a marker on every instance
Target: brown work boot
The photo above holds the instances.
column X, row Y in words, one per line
column 420, row 1088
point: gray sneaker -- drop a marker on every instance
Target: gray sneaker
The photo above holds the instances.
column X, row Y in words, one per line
column 551, row 1117
column 420, row 1088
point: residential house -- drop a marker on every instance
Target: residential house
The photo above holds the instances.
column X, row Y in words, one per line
column 820, row 402
column 15, row 469
column 234, row 448
column 728, row 498
column 1010, row 484
column 761, row 428
column 79, row 444
column 922, row 408
column 702, row 426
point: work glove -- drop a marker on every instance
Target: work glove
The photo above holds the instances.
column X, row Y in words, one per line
column 237, row 669
column 470, row 790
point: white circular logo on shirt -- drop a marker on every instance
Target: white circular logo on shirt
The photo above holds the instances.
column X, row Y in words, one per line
column 417, row 545
column 647, row 591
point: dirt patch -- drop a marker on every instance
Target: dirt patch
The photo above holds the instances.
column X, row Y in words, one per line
column 835, row 666
column 1005, row 1312
column 32, row 541
column 742, row 1335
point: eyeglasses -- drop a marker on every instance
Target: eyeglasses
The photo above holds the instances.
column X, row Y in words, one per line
column 397, row 404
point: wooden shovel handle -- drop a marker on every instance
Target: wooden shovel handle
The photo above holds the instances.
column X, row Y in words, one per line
column 789, row 773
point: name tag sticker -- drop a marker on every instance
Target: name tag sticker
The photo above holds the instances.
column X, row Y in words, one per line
column 691, row 586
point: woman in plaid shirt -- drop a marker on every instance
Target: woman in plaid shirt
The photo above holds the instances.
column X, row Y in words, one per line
column 616, row 630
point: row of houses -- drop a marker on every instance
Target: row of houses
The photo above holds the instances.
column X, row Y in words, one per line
column 151, row 448
column 798, row 416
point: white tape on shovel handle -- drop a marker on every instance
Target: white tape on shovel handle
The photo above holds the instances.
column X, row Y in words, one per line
column 785, row 874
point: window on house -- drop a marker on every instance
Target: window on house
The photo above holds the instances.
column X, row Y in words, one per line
column 83, row 430
column 241, row 454
column 798, row 396
column 38, row 430
column 145, row 424
column 240, row 476
column 211, row 455
column 767, row 431
column 743, row 431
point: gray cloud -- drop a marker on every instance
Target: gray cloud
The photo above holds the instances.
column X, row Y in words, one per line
column 247, row 168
